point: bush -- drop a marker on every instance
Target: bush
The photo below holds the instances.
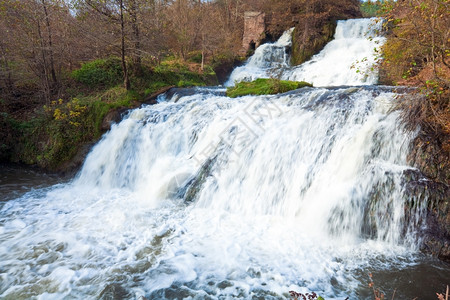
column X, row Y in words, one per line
column 100, row 73
column 195, row 57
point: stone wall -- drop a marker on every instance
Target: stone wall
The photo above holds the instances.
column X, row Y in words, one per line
column 254, row 27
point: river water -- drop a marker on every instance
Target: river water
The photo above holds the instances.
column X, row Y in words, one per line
column 205, row 197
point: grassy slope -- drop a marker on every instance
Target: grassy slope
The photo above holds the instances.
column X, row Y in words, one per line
column 52, row 135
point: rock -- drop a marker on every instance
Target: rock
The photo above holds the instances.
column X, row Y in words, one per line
column 433, row 163
column 310, row 40
column 113, row 116
column 434, row 228
column 200, row 178
column 427, row 155
column 223, row 66
column 114, row 291
column 71, row 167
column 314, row 24
column 151, row 99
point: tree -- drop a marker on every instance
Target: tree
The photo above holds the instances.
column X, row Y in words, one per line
column 26, row 44
column 114, row 10
column 50, row 43
column 419, row 37
column 417, row 53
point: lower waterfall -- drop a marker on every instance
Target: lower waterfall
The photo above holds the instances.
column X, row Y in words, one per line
column 206, row 197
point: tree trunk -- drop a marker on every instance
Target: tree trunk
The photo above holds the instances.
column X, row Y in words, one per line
column 7, row 71
column 44, row 74
column 136, row 36
column 50, row 45
column 126, row 80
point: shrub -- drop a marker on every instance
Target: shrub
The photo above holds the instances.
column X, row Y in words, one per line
column 100, row 72
column 195, row 57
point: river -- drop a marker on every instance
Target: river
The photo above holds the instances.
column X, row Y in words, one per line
column 205, row 197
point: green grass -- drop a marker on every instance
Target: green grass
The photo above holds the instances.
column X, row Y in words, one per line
column 262, row 86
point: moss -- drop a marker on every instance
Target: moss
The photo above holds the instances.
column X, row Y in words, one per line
column 263, row 86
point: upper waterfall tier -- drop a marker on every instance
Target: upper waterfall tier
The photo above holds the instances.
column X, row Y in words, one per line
column 349, row 59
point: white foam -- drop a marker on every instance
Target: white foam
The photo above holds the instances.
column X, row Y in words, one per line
column 349, row 59
column 281, row 206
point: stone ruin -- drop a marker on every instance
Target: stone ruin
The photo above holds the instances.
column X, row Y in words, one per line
column 254, row 27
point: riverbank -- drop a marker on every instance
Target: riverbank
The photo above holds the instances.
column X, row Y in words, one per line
column 416, row 54
column 57, row 135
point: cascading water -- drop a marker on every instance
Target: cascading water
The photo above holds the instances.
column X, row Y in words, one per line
column 209, row 197
column 268, row 60
column 347, row 60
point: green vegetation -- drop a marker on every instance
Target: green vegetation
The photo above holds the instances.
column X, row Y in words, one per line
column 57, row 131
column 124, row 60
column 100, row 72
column 178, row 73
column 416, row 54
column 54, row 133
column 371, row 8
column 265, row 87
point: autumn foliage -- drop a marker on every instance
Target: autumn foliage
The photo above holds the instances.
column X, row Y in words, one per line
column 417, row 54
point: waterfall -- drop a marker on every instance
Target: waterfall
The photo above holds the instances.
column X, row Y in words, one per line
column 206, row 197
column 349, row 59
column 268, row 60
column 316, row 155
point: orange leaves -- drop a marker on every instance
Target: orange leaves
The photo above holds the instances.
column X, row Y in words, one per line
column 441, row 296
column 377, row 293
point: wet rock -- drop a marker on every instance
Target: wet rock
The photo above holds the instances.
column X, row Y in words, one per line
column 429, row 157
column 432, row 185
column 72, row 166
column 179, row 293
column 437, row 233
column 223, row 66
column 174, row 94
column 113, row 116
column 306, row 43
column 197, row 183
column 151, row 99
column 434, row 226
column 265, row 295
column 224, row 284
column 114, row 291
